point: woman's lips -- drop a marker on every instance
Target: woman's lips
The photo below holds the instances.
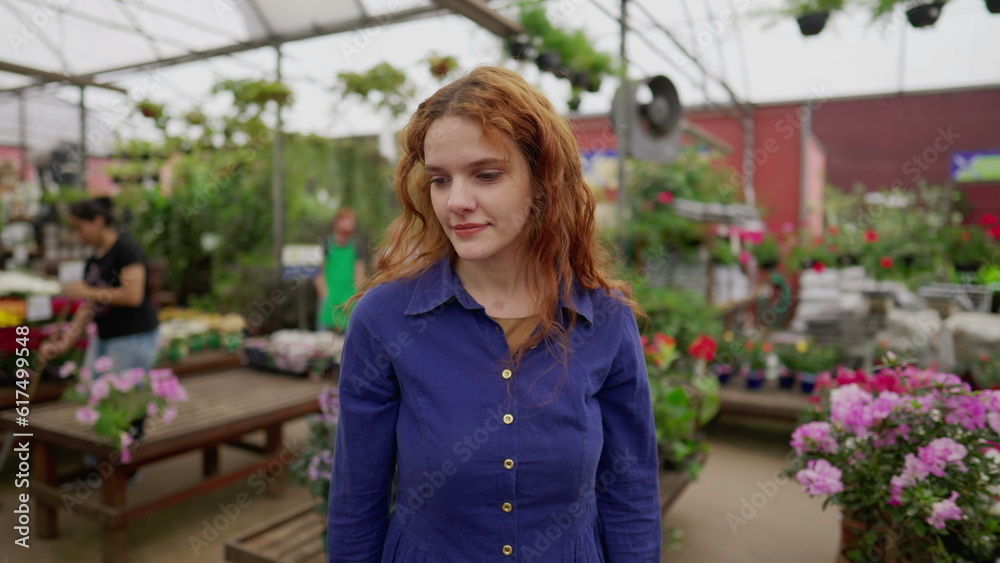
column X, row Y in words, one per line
column 469, row 230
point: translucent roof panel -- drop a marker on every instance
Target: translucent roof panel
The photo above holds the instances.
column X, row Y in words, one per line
column 85, row 37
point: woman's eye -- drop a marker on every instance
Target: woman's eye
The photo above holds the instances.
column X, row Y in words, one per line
column 490, row 176
column 438, row 182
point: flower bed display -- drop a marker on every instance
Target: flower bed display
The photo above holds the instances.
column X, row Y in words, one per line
column 184, row 331
column 296, row 352
column 911, row 457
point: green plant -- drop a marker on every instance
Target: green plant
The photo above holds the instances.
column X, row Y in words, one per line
column 680, row 313
column 114, row 403
column 809, row 358
column 314, row 464
column 251, row 96
column 722, row 253
column 441, row 67
column 384, row 86
column 883, row 8
column 907, row 452
column 757, row 354
column 767, row 253
column 802, row 7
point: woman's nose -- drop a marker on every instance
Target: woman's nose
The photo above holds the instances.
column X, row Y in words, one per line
column 460, row 198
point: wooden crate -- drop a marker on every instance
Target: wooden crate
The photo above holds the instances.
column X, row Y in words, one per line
column 294, row 537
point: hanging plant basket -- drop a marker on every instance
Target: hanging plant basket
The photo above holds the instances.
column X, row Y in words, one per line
column 573, row 103
column 521, row 50
column 580, row 79
column 924, row 15
column 548, row 61
column 812, row 23
column 993, row 6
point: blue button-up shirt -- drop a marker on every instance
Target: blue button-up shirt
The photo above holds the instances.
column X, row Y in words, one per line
column 491, row 462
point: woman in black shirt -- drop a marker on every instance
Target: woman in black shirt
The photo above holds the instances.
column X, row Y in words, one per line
column 115, row 289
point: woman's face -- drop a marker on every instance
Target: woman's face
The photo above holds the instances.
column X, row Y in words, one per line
column 481, row 192
column 89, row 232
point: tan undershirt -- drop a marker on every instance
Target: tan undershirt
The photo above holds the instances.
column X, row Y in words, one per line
column 518, row 331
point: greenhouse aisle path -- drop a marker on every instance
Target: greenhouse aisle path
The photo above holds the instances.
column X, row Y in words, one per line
column 787, row 527
column 743, row 510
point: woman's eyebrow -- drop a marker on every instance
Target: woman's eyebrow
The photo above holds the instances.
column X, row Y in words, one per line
column 473, row 164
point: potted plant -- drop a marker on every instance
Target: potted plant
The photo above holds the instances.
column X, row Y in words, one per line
column 117, row 405
column 384, row 86
column 968, row 247
column 812, row 15
column 910, row 457
column 920, row 13
column 521, row 48
column 441, row 67
column 757, row 355
column 767, row 253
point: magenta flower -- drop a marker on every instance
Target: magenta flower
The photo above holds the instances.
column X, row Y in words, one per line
column 992, row 400
column 86, row 374
column 152, row 409
column 884, row 404
column 941, row 453
column 814, row 435
column 666, row 198
column 169, row 415
column 87, row 415
column 820, row 478
column 99, row 391
column 104, row 364
column 966, row 410
column 67, row 369
column 945, row 510
column 849, row 407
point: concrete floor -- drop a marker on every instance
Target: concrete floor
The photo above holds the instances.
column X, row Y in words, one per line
column 740, row 510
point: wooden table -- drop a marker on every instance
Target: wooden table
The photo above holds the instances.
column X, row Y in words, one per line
column 769, row 402
column 223, row 407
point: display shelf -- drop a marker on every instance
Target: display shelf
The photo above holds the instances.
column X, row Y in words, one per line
column 768, row 402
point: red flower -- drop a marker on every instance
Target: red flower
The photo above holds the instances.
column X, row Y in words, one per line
column 834, row 230
column 819, row 267
column 767, row 347
column 989, row 220
column 819, row 240
column 995, row 232
column 871, row 235
column 703, row 348
column 966, row 236
column 886, row 262
column 666, row 198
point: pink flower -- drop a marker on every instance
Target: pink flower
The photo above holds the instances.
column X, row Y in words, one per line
column 966, row 410
column 819, row 267
column 849, row 407
column 814, row 435
column 745, row 257
column 104, row 364
column 886, row 262
column 871, row 236
column 787, row 227
column 666, row 198
column 820, row 478
column 99, row 391
column 87, row 415
column 941, row 453
column 86, row 374
column 67, row 369
column 989, row 220
column 992, row 400
column 152, row 409
column 169, row 415
column 945, row 510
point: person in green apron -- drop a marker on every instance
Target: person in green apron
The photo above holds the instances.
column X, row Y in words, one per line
column 341, row 273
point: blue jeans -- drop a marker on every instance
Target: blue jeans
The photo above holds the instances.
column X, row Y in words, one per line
column 132, row 351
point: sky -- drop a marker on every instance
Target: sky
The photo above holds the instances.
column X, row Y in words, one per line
column 761, row 55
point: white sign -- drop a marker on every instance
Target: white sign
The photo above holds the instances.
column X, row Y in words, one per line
column 39, row 308
column 302, row 255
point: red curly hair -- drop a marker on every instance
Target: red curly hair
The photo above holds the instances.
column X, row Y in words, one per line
column 560, row 238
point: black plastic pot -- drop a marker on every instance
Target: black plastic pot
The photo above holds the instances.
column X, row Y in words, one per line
column 813, row 23
column 993, row 6
column 580, row 79
column 968, row 267
column 924, row 15
column 594, row 85
column 548, row 61
column 573, row 104
column 521, row 51
column 564, row 72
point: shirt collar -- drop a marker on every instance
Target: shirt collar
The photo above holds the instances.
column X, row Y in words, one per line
column 440, row 284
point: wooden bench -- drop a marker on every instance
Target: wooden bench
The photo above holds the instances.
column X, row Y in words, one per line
column 297, row 536
column 223, row 407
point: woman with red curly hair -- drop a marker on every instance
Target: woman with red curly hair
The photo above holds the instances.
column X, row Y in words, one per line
column 494, row 398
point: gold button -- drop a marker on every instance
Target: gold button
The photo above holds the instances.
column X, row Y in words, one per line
column 508, row 418
column 507, row 374
column 507, row 550
column 507, row 507
column 508, row 463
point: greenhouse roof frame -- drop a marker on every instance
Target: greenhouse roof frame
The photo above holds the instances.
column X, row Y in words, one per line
column 264, row 23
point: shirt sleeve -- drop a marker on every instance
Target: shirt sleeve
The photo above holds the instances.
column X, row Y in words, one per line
column 628, row 500
column 365, row 453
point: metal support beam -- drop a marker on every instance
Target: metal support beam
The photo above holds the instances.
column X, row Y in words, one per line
column 624, row 140
column 81, row 177
column 278, row 180
column 22, row 125
column 485, row 16
column 49, row 77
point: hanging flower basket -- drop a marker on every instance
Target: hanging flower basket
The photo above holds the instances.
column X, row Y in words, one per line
column 993, row 6
column 812, row 23
column 924, row 15
column 548, row 61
